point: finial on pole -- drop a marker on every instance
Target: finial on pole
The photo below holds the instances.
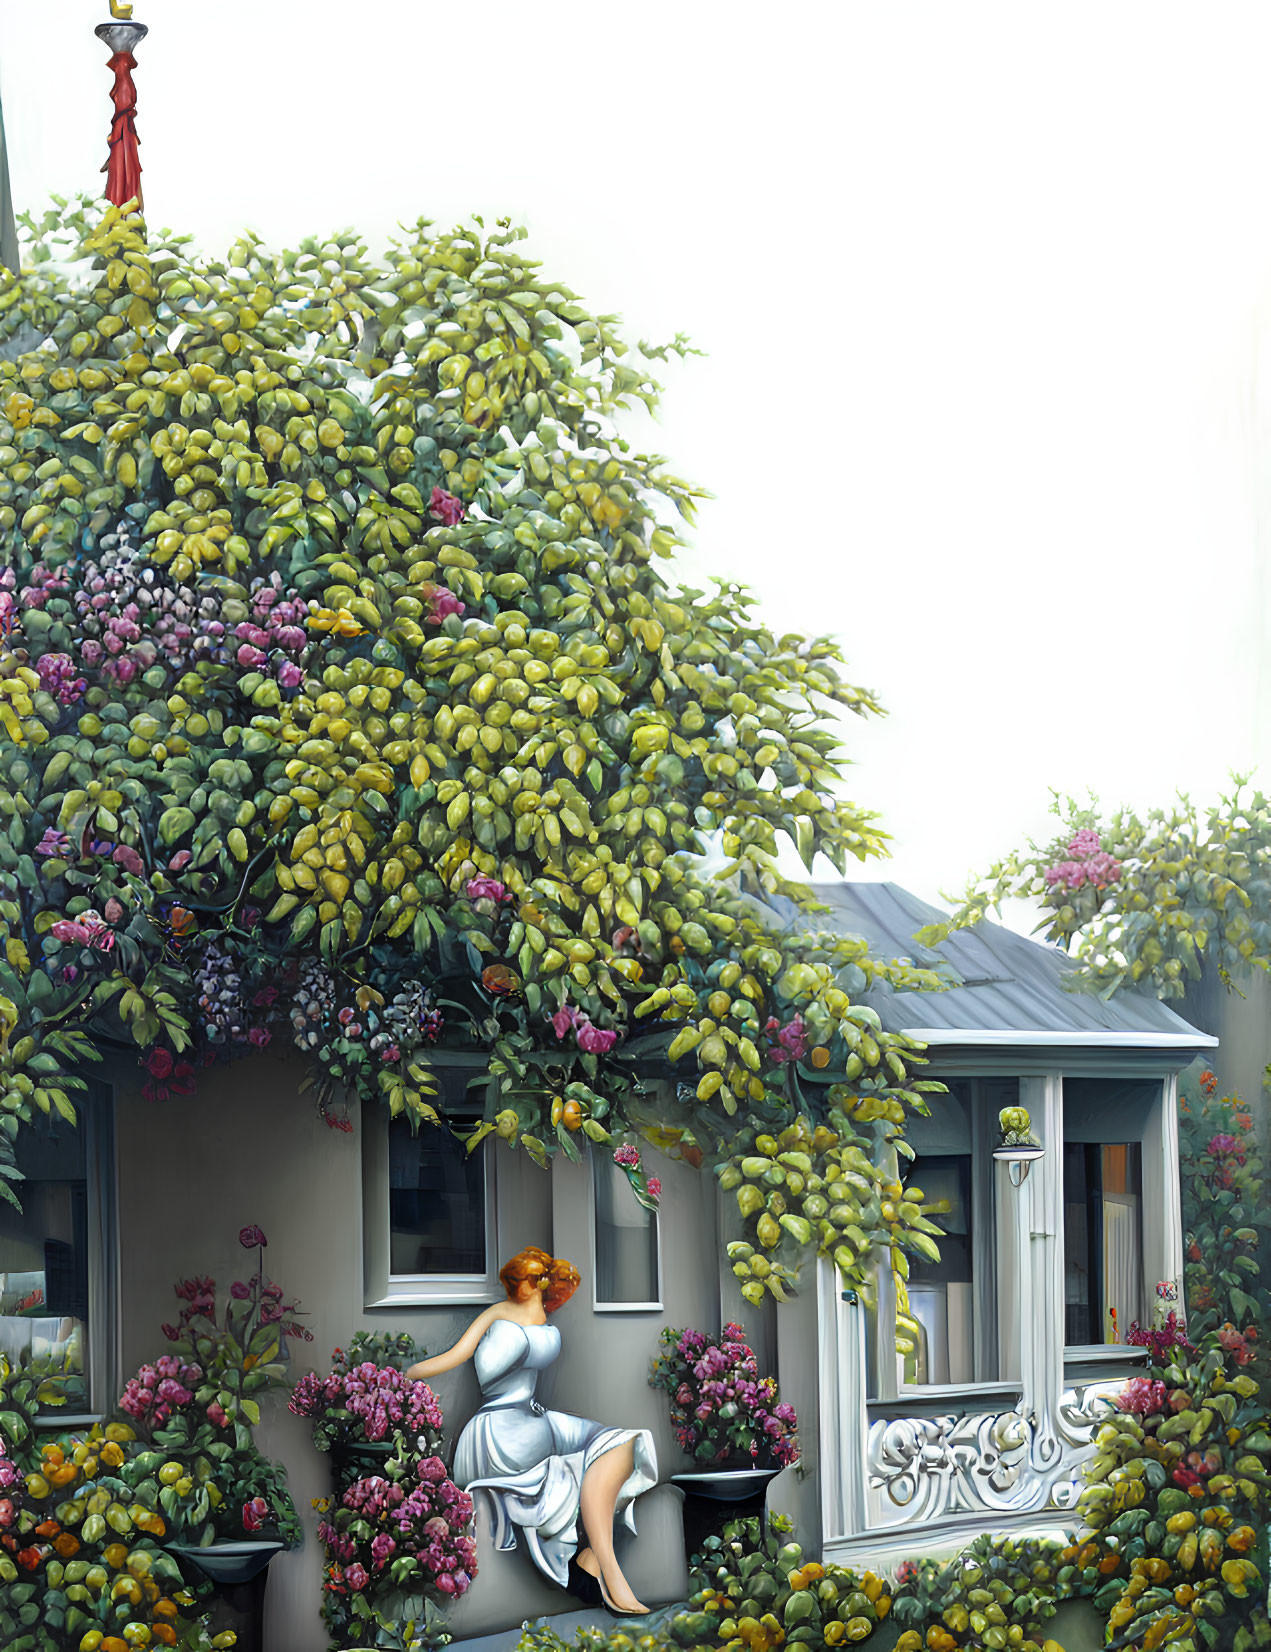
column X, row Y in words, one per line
column 123, row 167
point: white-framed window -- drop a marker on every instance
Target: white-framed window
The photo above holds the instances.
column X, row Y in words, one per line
column 1107, row 1123
column 429, row 1210
column 58, row 1262
column 954, row 1300
column 626, row 1244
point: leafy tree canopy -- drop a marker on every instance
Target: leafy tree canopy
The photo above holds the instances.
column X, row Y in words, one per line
column 342, row 702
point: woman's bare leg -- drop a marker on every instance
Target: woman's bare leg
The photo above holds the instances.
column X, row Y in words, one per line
column 601, row 1485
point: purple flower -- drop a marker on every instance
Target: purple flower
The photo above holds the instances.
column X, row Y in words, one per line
column 53, row 843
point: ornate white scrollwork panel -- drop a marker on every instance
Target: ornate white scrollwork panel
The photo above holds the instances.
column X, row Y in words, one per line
column 924, row 1468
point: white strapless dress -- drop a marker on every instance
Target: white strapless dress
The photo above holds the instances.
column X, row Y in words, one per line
column 533, row 1460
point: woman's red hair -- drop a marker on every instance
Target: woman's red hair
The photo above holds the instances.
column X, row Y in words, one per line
column 556, row 1278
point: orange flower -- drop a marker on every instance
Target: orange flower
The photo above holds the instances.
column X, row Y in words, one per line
column 499, row 978
column 66, row 1544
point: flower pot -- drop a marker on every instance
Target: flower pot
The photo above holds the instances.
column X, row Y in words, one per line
column 239, row 1571
column 229, row 1563
column 713, row 1497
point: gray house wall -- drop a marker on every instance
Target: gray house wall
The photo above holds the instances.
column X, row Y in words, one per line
column 249, row 1148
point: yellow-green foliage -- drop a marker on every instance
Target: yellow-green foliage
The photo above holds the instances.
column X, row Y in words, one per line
column 341, row 700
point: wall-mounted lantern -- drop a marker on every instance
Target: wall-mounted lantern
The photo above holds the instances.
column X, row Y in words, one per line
column 1018, row 1147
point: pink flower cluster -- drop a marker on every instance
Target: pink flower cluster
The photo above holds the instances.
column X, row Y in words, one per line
column 130, row 617
column 788, row 1043
column 721, row 1408
column 590, row 1039
column 89, row 929
column 58, row 678
column 160, row 1389
column 1144, row 1396
column 1222, row 1144
column 1239, row 1344
column 446, row 507
column 379, row 1398
column 427, row 1524
column 1087, row 863
column 486, row 889
column 441, row 601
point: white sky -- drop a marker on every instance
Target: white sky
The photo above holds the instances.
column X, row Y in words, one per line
column 986, row 291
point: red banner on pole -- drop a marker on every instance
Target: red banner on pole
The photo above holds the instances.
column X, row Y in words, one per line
column 123, row 169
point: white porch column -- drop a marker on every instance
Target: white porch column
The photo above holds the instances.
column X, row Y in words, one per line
column 841, row 1394
column 1040, row 1253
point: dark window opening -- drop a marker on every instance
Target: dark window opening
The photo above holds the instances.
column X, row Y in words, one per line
column 437, row 1190
column 1102, row 1241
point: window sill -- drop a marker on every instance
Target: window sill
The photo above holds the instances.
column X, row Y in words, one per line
column 626, row 1307
column 61, row 1422
column 1085, row 1353
column 946, row 1397
column 445, row 1294
column 1113, row 1359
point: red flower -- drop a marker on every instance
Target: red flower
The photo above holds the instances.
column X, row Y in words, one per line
column 1208, row 1082
column 250, row 1237
column 160, row 1062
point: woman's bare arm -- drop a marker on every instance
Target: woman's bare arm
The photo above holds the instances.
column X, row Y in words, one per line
column 463, row 1350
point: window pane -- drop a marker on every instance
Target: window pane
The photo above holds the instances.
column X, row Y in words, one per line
column 1103, row 1240
column 952, row 1299
column 436, row 1202
column 44, row 1264
column 626, row 1239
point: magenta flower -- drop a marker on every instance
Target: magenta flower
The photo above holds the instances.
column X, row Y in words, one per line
column 594, row 1040
column 445, row 507
column 563, row 1020
column 655, row 1187
column 1223, row 1143
column 627, row 1156
column 216, row 1414
column 255, row 1514
column 250, row 1237
column 486, row 889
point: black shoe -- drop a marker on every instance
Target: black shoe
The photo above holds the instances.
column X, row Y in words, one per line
column 583, row 1585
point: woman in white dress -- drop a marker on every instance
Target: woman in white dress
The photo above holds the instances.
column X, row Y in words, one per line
column 546, row 1470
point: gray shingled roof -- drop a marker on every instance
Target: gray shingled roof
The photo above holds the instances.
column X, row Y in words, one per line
column 1011, row 988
